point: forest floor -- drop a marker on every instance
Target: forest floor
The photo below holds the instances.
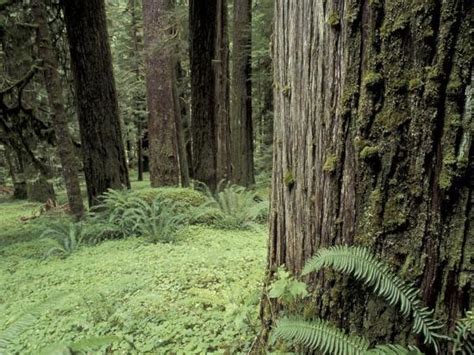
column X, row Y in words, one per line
column 198, row 295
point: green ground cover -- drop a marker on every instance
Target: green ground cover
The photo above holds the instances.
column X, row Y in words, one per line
column 198, row 295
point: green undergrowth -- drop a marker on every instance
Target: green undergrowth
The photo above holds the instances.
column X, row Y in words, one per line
column 197, row 295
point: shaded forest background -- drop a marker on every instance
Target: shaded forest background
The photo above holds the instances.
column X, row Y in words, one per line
column 31, row 151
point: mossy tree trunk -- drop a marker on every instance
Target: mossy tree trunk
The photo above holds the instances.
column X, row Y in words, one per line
column 164, row 116
column 241, row 103
column 373, row 146
column 58, row 113
column 96, row 99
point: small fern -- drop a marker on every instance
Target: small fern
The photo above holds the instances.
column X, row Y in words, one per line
column 319, row 335
column 27, row 320
column 67, row 237
column 237, row 207
column 360, row 263
column 464, row 335
column 81, row 346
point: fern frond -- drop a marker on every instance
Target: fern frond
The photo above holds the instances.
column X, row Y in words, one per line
column 392, row 349
column 8, row 336
column 25, row 321
column 93, row 343
column 81, row 346
column 464, row 335
column 319, row 335
column 363, row 265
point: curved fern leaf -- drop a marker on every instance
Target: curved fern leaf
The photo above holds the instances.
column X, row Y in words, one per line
column 319, row 335
column 81, row 346
column 25, row 321
column 93, row 343
column 392, row 349
column 464, row 335
column 363, row 265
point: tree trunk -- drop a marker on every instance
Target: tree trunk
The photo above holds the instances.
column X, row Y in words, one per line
column 209, row 91
column 160, row 78
column 185, row 118
column 183, row 157
column 53, row 86
column 220, row 66
column 373, row 146
column 103, row 152
column 135, row 54
column 241, row 113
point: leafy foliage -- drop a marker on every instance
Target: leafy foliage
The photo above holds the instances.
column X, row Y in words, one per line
column 464, row 335
column 140, row 292
column 363, row 265
column 68, row 238
column 110, row 213
column 236, row 207
column 319, row 335
column 124, row 213
column 392, row 349
column 25, row 321
column 157, row 221
column 80, row 346
column 328, row 339
column 286, row 287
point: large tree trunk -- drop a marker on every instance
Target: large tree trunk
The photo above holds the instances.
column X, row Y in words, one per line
column 58, row 114
column 241, row 106
column 103, row 152
column 162, row 110
column 202, row 27
column 209, row 91
column 373, row 146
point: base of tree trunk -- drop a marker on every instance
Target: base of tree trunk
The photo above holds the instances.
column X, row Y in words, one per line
column 40, row 190
column 19, row 191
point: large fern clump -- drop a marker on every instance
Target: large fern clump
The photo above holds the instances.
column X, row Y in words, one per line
column 235, row 207
column 125, row 214
column 158, row 221
column 363, row 265
column 106, row 220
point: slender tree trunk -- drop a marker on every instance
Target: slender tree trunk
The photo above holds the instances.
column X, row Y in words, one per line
column 373, row 146
column 161, row 78
column 103, row 152
column 186, row 121
column 183, row 157
column 220, row 66
column 58, row 114
column 135, row 54
column 241, row 113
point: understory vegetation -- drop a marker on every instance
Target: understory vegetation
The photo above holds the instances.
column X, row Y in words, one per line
column 144, row 273
column 315, row 334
